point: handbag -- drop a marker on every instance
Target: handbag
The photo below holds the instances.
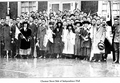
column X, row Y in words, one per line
column 101, row 45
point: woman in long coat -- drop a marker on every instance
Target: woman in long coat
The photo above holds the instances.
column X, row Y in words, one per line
column 77, row 39
column 86, row 43
column 70, row 40
column 64, row 37
column 25, row 35
column 58, row 44
column 7, row 38
column 98, row 35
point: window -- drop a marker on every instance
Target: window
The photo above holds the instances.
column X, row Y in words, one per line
column 28, row 6
column 104, row 7
column 66, row 6
column 55, row 7
column 116, row 8
column 104, row 12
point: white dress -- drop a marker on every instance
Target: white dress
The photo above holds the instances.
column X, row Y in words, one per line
column 70, row 42
column 64, row 39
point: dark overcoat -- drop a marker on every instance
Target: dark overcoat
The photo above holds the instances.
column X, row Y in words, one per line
column 58, row 44
column 7, row 38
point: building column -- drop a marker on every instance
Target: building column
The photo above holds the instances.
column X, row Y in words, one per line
column 79, row 5
column 99, row 7
column 112, row 12
column 60, row 6
column 19, row 8
column 8, row 8
column 73, row 6
column 36, row 5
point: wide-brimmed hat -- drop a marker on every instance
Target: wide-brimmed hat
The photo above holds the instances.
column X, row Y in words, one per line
column 25, row 23
column 78, row 23
column 85, row 22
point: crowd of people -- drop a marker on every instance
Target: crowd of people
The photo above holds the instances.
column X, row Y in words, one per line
column 62, row 34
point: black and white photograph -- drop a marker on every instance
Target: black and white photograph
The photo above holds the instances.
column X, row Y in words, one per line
column 59, row 39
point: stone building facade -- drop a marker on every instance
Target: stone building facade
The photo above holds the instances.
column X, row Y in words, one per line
column 16, row 8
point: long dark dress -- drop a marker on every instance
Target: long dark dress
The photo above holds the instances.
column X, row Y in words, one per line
column 85, row 45
column 58, row 44
column 25, row 45
column 7, row 38
column 77, row 43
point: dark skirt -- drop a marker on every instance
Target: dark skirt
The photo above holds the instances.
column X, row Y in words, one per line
column 108, row 46
column 86, row 48
column 85, row 51
column 58, row 46
column 50, row 47
column 24, row 44
column 77, row 46
column 7, row 42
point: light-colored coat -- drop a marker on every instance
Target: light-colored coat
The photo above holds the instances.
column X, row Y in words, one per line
column 98, row 35
column 64, row 39
column 69, row 43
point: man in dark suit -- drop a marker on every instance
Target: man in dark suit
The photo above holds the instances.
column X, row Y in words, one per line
column 16, row 41
column 13, row 40
column 33, row 28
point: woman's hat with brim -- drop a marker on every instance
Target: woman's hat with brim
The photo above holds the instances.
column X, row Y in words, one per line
column 116, row 18
column 86, row 22
column 25, row 23
column 59, row 22
column 72, row 15
column 78, row 23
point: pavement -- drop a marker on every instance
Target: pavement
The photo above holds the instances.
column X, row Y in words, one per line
column 40, row 68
